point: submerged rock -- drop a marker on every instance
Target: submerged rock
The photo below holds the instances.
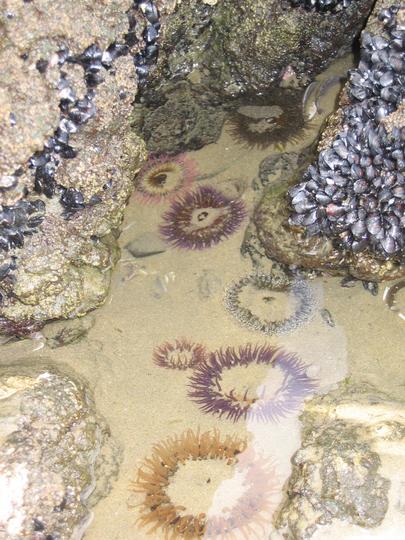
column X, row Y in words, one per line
column 63, row 333
column 57, row 457
column 187, row 120
column 347, row 466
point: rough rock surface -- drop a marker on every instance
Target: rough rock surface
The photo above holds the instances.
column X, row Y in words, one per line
column 234, row 47
column 63, row 270
column 187, row 120
column 349, row 437
column 290, row 245
column 57, row 457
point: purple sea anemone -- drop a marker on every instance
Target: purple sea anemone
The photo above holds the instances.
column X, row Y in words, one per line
column 201, row 219
column 163, row 178
column 269, row 404
column 182, row 354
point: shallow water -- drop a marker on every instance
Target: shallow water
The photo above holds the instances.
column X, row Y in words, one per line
column 178, row 294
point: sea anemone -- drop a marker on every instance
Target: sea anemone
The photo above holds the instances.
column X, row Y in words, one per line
column 355, row 192
column 299, row 289
column 249, row 517
column 201, row 219
column 163, row 178
column 277, row 118
column 251, row 510
column 157, row 510
column 206, row 388
column 182, row 354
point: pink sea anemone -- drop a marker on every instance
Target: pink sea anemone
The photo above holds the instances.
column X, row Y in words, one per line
column 163, row 178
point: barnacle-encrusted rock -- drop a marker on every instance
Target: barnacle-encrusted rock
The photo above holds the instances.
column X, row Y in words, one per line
column 352, row 222
column 57, row 457
column 65, row 270
column 347, row 467
column 234, row 47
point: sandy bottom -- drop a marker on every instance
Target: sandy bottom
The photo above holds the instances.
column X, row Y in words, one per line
column 178, row 294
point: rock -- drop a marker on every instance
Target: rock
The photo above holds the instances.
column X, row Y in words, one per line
column 64, row 267
column 187, row 120
column 62, row 333
column 347, row 466
column 57, row 457
column 233, row 47
column 282, row 225
column 276, row 167
column 146, row 245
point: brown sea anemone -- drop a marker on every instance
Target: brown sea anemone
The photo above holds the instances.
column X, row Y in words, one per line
column 251, row 511
column 276, row 118
column 181, row 354
column 163, row 178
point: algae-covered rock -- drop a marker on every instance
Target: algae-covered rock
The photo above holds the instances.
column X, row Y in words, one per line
column 234, row 47
column 348, row 461
column 187, row 120
column 57, row 457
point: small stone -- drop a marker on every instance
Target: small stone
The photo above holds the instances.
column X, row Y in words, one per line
column 146, row 245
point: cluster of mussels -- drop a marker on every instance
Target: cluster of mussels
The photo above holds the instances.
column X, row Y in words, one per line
column 322, row 5
column 23, row 217
column 355, row 192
